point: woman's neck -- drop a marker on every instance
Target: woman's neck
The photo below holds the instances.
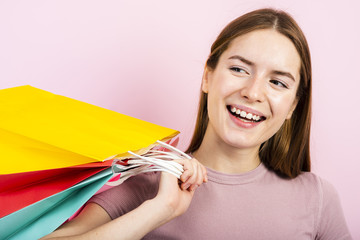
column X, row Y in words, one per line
column 224, row 158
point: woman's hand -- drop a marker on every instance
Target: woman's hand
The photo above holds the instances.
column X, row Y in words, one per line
column 175, row 195
column 173, row 199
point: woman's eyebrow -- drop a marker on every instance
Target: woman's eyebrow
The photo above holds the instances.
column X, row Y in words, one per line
column 242, row 59
column 285, row 74
column 250, row 63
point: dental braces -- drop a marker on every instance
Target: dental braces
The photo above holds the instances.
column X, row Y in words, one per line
column 153, row 160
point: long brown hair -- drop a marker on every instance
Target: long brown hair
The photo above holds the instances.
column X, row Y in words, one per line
column 288, row 151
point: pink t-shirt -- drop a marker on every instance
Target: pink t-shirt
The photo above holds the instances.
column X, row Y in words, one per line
column 253, row 205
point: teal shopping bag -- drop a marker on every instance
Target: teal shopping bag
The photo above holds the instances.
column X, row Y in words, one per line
column 43, row 217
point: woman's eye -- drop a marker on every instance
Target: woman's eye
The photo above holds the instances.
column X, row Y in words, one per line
column 278, row 83
column 238, row 70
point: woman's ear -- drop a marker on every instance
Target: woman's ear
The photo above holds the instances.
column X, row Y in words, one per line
column 292, row 109
column 205, row 80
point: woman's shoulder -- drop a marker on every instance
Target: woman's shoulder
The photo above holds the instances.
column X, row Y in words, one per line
column 323, row 199
column 308, row 184
column 311, row 179
column 144, row 179
column 143, row 184
column 331, row 223
column 327, row 191
column 128, row 195
column 314, row 184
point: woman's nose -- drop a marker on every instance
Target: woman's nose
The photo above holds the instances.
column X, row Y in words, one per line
column 253, row 90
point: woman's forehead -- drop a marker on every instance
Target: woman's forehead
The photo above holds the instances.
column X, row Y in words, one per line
column 266, row 48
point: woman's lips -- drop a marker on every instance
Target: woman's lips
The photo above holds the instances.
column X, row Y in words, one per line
column 245, row 113
column 245, row 119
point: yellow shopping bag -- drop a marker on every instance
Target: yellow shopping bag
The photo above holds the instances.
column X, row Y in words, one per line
column 40, row 130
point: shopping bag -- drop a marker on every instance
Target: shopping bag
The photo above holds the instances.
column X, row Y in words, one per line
column 43, row 131
column 19, row 190
column 36, row 126
column 64, row 148
column 43, row 217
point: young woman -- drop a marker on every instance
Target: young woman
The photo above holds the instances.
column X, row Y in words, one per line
column 252, row 135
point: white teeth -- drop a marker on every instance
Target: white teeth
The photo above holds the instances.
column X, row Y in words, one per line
column 249, row 116
column 244, row 114
column 244, row 120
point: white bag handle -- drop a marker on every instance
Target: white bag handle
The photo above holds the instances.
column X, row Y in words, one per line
column 153, row 160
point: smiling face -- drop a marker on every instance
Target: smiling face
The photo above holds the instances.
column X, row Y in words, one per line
column 252, row 90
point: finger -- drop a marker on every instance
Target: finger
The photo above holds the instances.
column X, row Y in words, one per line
column 194, row 173
column 188, row 169
column 204, row 171
column 201, row 172
column 194, row 177
column 199, row 178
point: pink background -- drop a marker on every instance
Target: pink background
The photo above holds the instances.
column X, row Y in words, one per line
column 145, row 59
